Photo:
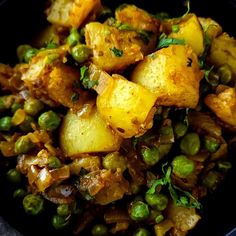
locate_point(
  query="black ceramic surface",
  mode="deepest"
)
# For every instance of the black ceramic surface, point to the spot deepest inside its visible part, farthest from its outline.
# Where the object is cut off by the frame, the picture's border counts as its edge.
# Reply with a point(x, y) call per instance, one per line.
point(20, 20)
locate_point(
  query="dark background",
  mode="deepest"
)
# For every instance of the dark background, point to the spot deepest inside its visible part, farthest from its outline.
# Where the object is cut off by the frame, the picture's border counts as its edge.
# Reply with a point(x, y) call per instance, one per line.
point(21, 19)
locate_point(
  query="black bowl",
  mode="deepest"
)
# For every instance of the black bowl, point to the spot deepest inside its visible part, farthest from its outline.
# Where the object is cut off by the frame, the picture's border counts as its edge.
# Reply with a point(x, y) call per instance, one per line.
point(21, 20)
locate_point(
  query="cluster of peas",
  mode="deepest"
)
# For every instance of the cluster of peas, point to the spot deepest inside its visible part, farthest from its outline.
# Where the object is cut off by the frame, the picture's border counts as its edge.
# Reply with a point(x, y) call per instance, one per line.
point(46, 120)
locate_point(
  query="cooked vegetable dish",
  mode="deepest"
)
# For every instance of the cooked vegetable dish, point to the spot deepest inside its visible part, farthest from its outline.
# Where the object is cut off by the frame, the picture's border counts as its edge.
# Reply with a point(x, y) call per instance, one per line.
point(119, 121)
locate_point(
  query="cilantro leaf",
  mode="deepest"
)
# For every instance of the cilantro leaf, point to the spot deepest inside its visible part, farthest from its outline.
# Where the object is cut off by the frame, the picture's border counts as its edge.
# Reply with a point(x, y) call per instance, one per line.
point(117, 52)
point(84, 78)
point(179, 196)
point(164, 41)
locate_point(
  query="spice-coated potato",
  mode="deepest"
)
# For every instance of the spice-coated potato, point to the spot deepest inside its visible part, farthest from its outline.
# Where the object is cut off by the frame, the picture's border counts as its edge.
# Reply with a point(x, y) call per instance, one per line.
point(113, 49)
point(126, 106)
point(71, 13)
point(87, 134)
point(223, 104)
point(189, 30)
point(171, 73)
point(223, 51)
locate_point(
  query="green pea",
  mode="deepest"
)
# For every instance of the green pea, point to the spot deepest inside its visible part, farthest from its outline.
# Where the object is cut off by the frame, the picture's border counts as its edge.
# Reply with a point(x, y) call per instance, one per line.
point(33, 106)
point(21, 50)
point(5, 123)
point(135, 188)
point(159, 218)
point(14, 176)
point(225, 74)
point(150, 155)
point(211, 180)
point(157, 200)
point(49, 120)
point(19, 193)
point(139, 211)
point(54, 162)
point(23, 145)
point(141, 232)
point(33, 204)
point(73, 38)
point(6, 102)
point(59, 222)
point(182, 166)
point(63, 210)
point(29, 54)
point(180, 129)
point(15, 107)
point(190, 144)
point(81, 53)
point(26, 125)
point(210, 144)
point(114, 161)
point(213, 78)
point(99, 230)
point(224, 166)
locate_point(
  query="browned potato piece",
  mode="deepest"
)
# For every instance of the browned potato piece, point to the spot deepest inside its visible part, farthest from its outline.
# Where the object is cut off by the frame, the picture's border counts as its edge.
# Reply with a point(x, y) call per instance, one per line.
point(88, 134)
point(223, 51)
point(145, 25)
point(127, 107)
point(211, 27)
point(190, 31)
point(171, 73)
point(137, 18)
point(71, 13)
point(52, 81)
point(184, 218)
point(113, 49)
point(223, 104)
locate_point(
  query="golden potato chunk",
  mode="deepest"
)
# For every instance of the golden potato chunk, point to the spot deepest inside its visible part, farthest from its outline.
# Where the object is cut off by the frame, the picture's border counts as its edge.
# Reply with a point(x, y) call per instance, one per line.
point(88, 134)
point(146, 26)
point(113, 49)
point(184, 218)
point(189, 29)
point(50, 80)
point(137, 18)
point(171, 73)
point(223, 51)
point(71, 13)
point(223, 104)
point(211, 27)
point(127, 107)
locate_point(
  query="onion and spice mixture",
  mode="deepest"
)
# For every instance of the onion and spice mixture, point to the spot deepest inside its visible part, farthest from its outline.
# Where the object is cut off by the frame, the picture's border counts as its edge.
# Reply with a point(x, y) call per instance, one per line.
point(121, 120)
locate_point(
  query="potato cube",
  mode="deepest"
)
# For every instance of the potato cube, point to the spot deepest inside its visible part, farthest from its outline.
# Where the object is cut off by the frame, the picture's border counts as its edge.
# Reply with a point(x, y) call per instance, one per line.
point(113, 49)
point(88, 134)
point(127, 107)
point(171, 73)
point(190, 31)
point(223, 51)
point(71, 13)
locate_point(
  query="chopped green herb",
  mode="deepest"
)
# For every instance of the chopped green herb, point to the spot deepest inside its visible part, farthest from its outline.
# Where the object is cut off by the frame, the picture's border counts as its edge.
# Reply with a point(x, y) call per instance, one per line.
point(207, 43)
point(180, 197)
point(164, 41)
point(84, 78)
point(122, 26)
point(51, 45)
point(74, 97)
point(207, 72)
point(117, 52)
